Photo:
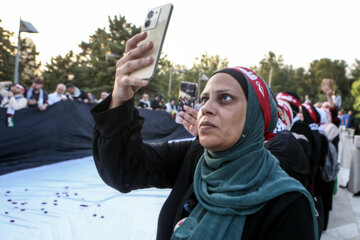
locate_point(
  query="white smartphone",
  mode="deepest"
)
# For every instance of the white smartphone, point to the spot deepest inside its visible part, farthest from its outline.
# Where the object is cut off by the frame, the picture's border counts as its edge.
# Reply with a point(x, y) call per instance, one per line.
point(155, 24)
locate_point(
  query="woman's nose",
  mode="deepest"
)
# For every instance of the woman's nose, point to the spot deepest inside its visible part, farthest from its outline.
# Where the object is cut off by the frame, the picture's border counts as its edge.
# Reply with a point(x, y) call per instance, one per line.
point(208, 108)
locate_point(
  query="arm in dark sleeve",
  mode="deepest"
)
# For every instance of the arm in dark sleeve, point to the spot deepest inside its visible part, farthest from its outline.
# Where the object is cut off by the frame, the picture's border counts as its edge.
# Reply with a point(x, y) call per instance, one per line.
point(83, 95)
point(295, 222)
point(46, 97)
point(122, 159)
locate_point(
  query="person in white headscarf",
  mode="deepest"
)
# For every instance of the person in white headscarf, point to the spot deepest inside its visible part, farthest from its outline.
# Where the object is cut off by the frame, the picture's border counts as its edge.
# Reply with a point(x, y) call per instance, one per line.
point(58, 95)
point(13, 100)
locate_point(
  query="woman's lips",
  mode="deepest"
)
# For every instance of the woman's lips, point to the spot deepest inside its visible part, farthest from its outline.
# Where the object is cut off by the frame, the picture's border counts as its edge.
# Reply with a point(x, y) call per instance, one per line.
point(207, 125)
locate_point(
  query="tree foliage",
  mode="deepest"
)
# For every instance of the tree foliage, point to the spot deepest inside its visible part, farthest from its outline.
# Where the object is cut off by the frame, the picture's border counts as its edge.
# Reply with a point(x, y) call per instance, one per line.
point(355, 71)
point(7, 55)
point(29, 68)
point(93, 68)
point(355, 92)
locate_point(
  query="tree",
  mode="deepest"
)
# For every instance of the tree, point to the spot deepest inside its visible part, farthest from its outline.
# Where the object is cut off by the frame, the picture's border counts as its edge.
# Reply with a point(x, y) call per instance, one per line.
point(355, 92)
point(97, 70)
point(208, 65)
point(160, 83)
point(59, 70)
point(283, 77)
point(7, 55)
point(29, 68)
point(336, 70)
point(93, 69)
point(355, 71)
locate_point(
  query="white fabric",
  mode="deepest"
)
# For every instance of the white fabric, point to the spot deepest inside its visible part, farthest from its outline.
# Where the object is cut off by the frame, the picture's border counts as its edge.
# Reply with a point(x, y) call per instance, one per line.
point(280, 126)
point(288, 118)
point(354, 176)
point(322, 114)
point(76, 93)
point(337, 100)
point(169, 109)
point(147, 102)
point(345, 148)
point(55, 97)
point(126, 216)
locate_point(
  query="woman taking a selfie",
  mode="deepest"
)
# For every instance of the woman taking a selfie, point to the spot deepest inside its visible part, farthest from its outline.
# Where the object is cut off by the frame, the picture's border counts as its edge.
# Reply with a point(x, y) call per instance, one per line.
point(225, 185)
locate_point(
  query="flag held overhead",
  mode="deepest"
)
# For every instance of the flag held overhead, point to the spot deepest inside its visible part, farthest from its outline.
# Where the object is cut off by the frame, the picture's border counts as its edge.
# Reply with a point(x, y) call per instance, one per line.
point(27, 27)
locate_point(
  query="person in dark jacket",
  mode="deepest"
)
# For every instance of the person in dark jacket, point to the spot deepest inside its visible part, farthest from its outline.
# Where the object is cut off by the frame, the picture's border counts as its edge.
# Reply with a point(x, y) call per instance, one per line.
point(36, 96)
point(74, 93)
point(224, 185)
point(320, 189)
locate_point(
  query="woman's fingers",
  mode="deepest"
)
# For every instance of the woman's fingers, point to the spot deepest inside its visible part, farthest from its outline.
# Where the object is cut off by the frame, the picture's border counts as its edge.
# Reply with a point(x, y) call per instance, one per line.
point(133, 65)
point(133, 42)
point(189, 121)
point(125, 86)
point(136, 53)
point(191, 111)
point(134, 82)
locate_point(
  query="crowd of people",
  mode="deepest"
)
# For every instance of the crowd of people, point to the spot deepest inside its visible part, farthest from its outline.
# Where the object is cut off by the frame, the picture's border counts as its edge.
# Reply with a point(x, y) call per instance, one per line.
point(305, 141)
point(157, 104)
point(309, 131)
point(258, 159)
point(262, 166)
point(15, 97)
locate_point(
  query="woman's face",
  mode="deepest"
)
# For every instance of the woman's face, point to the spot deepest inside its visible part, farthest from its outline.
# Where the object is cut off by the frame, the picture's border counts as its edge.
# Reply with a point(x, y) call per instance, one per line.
point(221, 118)
point(300, 114)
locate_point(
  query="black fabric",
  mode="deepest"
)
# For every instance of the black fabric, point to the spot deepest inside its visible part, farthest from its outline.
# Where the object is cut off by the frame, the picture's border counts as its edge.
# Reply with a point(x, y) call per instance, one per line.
point(301, 128)
point(325, 189)
point(314, 143)
point(307, 118)
point(155, 104)
point(143, 104)
point(125, 163)
point(294, 108)
point(158, 127)
point(285, 147)
point(63, 132)
point(81, 96)
point(335, 141)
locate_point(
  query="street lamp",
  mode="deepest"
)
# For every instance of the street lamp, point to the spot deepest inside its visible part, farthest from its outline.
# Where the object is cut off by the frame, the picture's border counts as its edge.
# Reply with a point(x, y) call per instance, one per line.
point(270, 75)
point(202, 77)
point(109, 54)
point(24, 27)
point(176, 68)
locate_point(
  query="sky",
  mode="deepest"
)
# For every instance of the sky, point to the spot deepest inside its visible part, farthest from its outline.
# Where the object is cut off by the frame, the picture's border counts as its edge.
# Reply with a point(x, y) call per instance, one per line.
point(241, 31)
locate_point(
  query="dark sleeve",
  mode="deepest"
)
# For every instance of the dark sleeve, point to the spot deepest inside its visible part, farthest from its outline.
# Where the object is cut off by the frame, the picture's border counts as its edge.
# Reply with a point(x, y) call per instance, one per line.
point(295, 222)
point(46, 97)
point(83, 95)
point(285, 217)
point(122, 159)
point(141, 104)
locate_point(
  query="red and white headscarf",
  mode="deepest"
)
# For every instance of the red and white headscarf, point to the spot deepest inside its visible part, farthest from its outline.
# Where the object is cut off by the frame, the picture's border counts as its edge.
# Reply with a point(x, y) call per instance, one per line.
point(287, 112)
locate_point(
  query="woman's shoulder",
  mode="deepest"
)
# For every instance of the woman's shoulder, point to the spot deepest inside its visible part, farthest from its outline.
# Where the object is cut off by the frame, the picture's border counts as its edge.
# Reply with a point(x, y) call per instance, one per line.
point(287, 216)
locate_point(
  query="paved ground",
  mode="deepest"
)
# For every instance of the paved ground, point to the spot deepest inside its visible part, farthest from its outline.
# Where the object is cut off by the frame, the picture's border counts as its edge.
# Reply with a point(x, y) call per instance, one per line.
point(344, 220)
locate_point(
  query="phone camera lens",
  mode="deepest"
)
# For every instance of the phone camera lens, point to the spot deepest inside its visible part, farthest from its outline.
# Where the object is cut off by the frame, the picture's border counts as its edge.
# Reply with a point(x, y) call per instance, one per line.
point(150, 14)
point(147, 23)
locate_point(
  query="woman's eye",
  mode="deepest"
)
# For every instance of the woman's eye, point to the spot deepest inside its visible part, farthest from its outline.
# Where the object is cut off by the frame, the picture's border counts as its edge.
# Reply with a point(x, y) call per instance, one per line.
point(226, 98)
point(203, 100)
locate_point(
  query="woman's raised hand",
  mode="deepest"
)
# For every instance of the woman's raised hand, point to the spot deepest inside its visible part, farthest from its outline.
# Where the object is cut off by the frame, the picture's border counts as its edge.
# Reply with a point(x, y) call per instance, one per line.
point(125, 86)
point(189, 120)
